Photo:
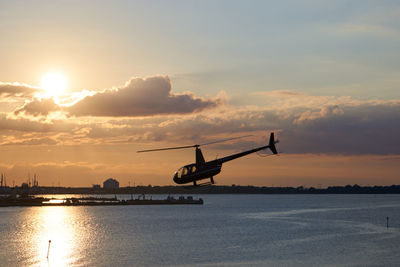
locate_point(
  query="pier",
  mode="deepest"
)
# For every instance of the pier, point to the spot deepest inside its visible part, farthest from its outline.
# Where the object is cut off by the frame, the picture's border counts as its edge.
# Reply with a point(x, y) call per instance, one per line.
point(30, 201)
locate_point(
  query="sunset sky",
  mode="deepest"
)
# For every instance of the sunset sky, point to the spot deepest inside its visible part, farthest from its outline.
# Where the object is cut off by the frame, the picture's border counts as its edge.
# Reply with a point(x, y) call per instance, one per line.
point(85, 84)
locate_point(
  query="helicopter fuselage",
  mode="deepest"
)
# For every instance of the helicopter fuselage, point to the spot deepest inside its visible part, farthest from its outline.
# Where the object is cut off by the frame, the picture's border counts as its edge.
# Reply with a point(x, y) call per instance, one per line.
point(192, 173)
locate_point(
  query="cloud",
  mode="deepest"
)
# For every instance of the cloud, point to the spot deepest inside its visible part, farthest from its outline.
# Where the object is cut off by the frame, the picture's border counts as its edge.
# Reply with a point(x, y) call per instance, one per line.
point(369, 128)
point(17, 90)
point(38, 107)
point(367, 29)
point(338, 126)
point(304, 123)
point(15, 129)
point(350, 128)
point(323, 112)
point(141, 97)
point(34, 141)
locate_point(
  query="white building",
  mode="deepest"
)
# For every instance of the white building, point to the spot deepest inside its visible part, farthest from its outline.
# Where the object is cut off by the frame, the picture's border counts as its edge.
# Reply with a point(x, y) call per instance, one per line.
point(111, 183)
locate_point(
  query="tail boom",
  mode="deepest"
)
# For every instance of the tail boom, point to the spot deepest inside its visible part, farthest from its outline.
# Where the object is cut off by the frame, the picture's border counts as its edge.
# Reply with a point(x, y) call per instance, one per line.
point(271, 146)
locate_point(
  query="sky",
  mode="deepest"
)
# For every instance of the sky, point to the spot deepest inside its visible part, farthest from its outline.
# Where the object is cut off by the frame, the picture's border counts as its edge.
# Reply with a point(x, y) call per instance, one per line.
point(85, 84)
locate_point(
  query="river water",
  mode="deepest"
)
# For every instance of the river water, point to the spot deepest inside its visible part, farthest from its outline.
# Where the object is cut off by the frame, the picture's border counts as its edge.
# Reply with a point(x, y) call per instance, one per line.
point(228, 230)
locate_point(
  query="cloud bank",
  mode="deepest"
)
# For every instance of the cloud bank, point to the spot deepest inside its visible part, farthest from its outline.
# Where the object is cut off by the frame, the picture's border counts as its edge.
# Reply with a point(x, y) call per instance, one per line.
point(147, 111)
point(17, 90)
point(331, 128)
point(141, 97)
point(38, 107)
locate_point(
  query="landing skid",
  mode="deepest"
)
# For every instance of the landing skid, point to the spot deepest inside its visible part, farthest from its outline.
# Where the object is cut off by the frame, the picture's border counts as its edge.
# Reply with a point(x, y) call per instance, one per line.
point(198, 185)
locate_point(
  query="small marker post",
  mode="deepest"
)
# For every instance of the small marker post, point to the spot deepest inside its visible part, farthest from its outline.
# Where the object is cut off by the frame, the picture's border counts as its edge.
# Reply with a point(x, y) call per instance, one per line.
point(387, 222)
point(48, 249)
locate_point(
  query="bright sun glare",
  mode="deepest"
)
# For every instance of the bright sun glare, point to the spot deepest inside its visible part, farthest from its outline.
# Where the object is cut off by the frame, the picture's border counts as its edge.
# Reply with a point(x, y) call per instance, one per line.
point(54, 84)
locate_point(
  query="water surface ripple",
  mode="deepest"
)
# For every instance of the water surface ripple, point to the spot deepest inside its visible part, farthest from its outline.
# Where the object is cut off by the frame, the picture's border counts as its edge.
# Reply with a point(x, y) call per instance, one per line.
point(228, 230)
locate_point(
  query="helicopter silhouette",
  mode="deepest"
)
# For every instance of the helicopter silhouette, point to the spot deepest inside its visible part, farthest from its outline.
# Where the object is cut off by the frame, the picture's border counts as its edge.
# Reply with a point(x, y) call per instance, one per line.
point(202, 169)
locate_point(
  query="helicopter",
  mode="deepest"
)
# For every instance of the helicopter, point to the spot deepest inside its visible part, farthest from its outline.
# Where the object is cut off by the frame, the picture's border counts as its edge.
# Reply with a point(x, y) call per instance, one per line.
point(202, 169)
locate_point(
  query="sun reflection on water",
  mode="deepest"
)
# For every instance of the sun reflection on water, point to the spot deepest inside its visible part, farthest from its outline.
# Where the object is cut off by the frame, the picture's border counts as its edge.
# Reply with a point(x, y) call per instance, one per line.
point(55, 225)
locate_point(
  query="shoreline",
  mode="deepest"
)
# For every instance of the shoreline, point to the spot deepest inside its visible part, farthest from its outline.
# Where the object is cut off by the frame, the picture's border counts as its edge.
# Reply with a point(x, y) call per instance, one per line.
point(215, 189)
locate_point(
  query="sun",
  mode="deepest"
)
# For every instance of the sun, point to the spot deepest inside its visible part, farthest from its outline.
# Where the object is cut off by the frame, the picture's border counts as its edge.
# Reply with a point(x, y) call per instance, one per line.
point(54, 84)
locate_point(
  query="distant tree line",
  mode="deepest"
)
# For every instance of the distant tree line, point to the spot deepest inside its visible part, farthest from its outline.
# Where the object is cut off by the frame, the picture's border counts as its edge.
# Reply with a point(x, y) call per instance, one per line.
point(234, 189)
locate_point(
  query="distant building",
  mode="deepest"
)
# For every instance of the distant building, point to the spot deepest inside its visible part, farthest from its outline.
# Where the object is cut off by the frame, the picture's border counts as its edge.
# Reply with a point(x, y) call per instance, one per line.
point(97, 186)
point(111, 183)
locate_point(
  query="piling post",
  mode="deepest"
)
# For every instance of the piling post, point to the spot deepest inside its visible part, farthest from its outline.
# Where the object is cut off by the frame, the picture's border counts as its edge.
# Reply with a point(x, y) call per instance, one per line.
point(387, 222)
point(48, 249)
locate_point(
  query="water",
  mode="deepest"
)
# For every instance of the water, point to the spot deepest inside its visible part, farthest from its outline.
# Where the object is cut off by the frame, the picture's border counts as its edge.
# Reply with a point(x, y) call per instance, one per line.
point(228, 230)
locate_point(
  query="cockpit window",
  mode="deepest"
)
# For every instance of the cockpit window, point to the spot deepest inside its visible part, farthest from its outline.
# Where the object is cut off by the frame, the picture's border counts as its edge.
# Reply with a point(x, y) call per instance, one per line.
point(185, 171)
point(180, 173)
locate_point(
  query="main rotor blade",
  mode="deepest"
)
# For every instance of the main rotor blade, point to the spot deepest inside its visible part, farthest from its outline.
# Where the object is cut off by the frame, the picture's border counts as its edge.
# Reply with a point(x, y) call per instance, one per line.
point(225, 140)
point(183, 147)
point(168, 148)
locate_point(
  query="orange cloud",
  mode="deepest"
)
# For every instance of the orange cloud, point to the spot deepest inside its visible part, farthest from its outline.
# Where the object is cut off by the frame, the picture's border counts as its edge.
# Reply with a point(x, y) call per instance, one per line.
point(315, 124)
point(17, 90)
point(38, 107)
point(141, 97)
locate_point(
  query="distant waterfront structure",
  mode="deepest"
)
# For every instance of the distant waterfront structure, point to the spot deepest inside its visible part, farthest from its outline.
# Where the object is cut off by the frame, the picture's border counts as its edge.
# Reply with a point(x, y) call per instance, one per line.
point(97, 186)
point(35, 181)
point(111, 183)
